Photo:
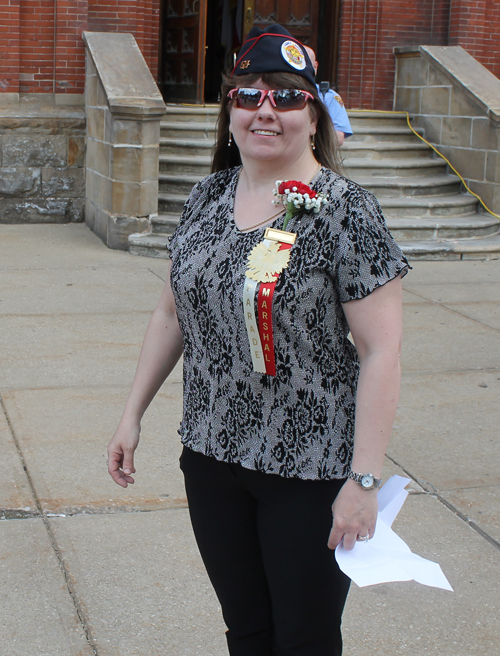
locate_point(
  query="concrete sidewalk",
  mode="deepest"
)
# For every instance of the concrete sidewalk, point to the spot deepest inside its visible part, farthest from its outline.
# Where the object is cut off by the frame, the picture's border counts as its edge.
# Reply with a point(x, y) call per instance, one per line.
point(89, 568)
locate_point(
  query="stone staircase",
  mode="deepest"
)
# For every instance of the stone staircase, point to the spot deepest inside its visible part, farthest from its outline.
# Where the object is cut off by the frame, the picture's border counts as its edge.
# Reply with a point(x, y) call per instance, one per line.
point(186, 140)
point(423, 205)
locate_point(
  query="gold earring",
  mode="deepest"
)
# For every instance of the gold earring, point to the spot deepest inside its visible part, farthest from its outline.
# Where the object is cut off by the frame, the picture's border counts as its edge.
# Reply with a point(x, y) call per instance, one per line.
point(313, 141)
point(230, 138)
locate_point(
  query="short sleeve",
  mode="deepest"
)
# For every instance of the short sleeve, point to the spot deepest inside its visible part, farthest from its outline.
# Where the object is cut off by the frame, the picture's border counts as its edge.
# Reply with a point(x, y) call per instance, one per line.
point(367, 255)
point(191, 201)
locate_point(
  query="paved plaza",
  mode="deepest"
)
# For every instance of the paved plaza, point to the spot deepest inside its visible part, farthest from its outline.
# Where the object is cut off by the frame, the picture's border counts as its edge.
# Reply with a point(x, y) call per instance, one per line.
point(89, 568)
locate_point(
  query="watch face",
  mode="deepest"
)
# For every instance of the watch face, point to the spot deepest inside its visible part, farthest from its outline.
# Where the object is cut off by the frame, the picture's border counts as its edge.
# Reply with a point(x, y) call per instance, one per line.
point(367, 481)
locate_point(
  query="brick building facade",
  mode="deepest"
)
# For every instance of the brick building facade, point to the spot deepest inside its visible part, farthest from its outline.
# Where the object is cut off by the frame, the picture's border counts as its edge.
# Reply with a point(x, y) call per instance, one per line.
point(41, 49)
point(370, 29)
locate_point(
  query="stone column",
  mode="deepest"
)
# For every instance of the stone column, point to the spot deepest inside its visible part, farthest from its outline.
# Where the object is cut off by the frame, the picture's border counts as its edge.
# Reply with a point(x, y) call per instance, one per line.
point(124, 108)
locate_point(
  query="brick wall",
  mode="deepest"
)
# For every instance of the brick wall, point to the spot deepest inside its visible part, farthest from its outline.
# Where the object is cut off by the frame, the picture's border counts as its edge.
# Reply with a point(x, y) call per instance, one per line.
point(9, 46)
point(36, 46)
point(475, 25)
point(140, 17)
point(41, 48)
point(71, 21)
point(369, 30)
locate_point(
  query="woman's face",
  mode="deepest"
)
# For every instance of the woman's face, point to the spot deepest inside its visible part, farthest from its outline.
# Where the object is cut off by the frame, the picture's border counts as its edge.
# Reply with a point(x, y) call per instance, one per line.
point(269, 134)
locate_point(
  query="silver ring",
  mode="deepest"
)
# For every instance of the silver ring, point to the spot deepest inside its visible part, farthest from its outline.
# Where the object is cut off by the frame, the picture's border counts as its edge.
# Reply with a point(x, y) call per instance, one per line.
point(364, 538)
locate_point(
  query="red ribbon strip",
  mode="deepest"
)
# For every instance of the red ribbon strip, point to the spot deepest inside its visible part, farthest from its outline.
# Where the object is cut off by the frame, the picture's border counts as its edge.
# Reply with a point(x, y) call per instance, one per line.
point(265, 314)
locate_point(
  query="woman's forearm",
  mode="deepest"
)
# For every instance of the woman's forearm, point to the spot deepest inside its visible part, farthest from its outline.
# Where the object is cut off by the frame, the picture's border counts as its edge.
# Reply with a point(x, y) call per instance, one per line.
point(160, 352)
point(376, 403)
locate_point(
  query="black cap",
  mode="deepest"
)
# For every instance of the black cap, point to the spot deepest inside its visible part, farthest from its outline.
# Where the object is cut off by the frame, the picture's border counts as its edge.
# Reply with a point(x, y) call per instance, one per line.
point(273, 50)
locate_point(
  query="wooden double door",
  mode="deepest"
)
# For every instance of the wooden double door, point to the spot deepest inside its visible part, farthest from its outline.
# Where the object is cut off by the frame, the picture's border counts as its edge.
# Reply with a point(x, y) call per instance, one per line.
point(200, 38)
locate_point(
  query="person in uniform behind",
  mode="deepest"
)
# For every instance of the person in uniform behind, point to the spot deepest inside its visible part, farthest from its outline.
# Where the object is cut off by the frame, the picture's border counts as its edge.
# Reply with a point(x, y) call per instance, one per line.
point(334, 104)
point(285, 421)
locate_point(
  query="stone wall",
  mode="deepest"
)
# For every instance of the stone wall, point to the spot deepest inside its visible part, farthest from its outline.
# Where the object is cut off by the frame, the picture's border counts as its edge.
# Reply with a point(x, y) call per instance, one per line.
point(457, 102)
point(123, 107)
point(42, 159)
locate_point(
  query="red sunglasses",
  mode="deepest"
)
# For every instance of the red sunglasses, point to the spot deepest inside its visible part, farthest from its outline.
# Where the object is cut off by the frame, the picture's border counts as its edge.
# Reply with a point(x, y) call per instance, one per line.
point(281, 99)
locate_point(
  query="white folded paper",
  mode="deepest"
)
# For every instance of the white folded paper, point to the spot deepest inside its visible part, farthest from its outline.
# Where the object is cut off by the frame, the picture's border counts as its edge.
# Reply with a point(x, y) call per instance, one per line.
point(386, 557)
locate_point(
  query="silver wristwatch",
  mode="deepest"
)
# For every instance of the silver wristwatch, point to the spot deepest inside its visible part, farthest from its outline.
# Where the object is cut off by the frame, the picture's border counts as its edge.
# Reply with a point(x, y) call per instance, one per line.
point(367, 481)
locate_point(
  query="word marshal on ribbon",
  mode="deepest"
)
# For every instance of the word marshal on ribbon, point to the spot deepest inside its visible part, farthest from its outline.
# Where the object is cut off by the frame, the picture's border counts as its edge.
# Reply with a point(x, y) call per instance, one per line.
point(265, 263)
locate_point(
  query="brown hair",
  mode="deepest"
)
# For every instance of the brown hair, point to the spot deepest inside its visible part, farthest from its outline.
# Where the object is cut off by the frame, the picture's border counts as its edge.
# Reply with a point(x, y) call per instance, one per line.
point(327, 146)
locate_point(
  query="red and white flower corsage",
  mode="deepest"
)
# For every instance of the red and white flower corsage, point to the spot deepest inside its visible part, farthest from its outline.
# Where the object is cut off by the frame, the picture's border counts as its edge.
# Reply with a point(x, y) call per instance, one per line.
point(297, 197)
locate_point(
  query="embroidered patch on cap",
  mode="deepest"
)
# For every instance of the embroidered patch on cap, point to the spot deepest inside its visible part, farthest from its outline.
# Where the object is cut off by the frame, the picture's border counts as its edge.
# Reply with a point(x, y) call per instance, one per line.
point(293, 55)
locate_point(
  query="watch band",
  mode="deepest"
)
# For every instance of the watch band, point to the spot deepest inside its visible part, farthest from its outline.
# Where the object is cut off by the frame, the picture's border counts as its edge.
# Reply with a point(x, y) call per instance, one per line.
point(367, 481)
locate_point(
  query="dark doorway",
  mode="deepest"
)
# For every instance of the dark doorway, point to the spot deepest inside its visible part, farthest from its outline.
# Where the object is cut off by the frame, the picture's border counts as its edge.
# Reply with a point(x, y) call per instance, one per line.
point(199, 38)
point(223, 41)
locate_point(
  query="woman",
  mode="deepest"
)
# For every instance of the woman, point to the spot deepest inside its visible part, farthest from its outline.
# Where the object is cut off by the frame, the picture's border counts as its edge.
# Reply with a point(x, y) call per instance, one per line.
point(284, 419)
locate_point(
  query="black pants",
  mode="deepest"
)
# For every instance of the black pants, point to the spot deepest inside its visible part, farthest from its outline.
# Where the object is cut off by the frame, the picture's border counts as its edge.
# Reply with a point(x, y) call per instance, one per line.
point(263, 539)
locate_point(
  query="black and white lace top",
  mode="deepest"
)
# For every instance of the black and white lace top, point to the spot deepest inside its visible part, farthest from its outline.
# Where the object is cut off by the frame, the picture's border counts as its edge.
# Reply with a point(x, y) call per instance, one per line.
point(299, 423)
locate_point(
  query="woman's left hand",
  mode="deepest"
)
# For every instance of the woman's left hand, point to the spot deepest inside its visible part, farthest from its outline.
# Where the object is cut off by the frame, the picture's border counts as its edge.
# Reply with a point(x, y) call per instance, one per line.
point(354, 514)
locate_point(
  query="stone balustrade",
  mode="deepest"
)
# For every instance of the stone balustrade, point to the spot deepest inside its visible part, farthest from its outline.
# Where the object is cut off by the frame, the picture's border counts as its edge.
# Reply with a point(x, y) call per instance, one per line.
point(457, 101)
point(123, 107)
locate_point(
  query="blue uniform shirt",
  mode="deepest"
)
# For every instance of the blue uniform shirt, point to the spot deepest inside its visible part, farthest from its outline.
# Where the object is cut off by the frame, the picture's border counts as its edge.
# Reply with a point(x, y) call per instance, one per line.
point(337, 111)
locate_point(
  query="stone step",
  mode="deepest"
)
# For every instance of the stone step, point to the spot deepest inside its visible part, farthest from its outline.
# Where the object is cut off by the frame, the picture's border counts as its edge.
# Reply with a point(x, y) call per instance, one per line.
point(452, 204)
point(422, 207)
point(170, 203)
point(192, 113)
point(481, 248)
point(187, 130)
point(197, 143)
point(180, 146)
point(384, 149)
point(165, 224)
point(432, 185)
point(178, 183)
point(407, 215)
point(358, 167)
point(390, 187)
point(359, 118)
point(453, 227)
point(456, 227)
point(148, 245)
point(385, 133)
point(418, 242)
point(197, 164)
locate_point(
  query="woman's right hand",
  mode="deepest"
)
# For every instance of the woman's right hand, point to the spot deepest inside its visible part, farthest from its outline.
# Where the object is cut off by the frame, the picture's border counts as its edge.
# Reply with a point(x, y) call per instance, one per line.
point(121, 453)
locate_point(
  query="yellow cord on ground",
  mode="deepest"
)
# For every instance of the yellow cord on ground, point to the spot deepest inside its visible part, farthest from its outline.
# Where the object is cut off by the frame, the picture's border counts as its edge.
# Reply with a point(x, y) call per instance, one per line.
point(380, 111)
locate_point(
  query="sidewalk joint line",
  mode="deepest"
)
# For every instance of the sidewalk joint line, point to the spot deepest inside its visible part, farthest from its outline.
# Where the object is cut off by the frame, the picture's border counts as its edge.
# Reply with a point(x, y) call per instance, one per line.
point(9, 514)
point(56, 315)
point(158, 276)
point(81, 386)
point(445, 284)
point(84, 621)
point(430, 489)
point(460, 314)
point(442, 372)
